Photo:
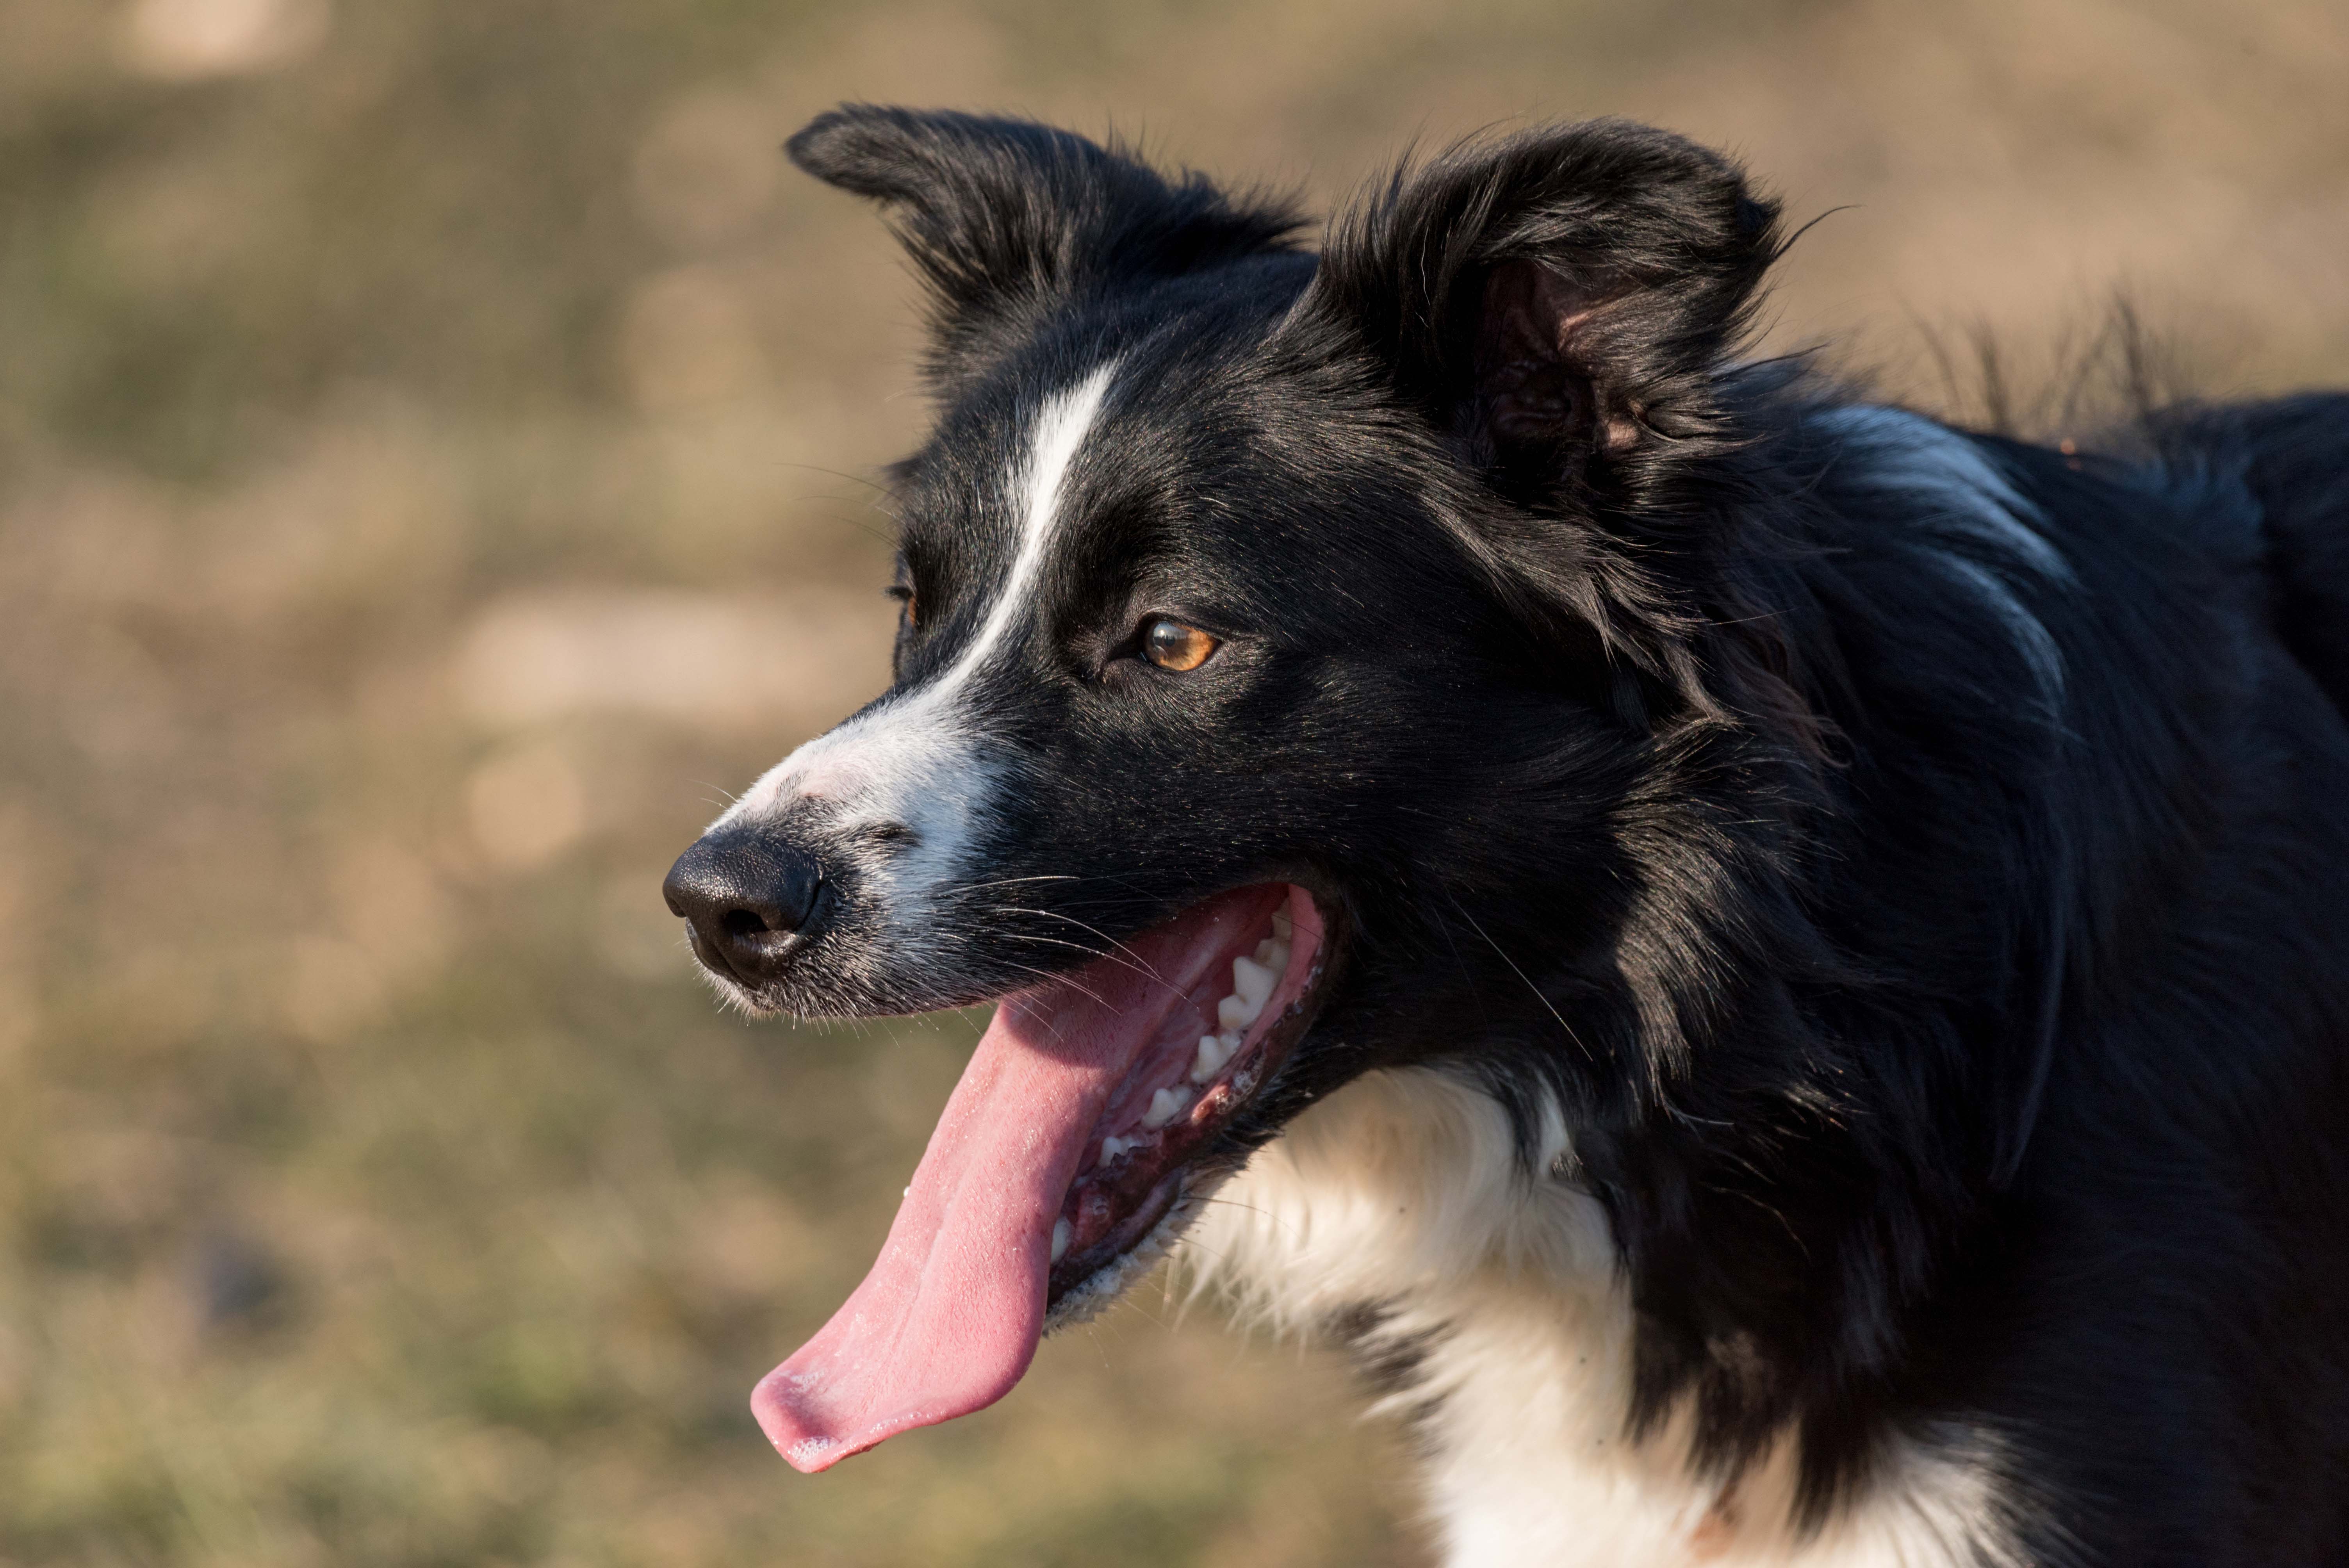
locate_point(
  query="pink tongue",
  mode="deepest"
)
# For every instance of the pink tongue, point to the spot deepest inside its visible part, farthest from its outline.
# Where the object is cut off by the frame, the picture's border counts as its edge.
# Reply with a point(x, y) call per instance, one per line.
point(948, 1319)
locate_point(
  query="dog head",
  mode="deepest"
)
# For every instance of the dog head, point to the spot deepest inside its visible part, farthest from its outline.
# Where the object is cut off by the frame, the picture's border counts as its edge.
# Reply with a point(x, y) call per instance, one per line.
point(1286, 643)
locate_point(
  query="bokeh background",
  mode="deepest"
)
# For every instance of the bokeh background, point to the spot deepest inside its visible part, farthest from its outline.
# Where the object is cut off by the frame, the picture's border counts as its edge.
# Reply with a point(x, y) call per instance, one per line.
point(434, 453)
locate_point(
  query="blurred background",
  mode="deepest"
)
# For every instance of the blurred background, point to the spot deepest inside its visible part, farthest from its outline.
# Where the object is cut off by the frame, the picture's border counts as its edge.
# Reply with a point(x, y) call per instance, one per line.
point(434, 445)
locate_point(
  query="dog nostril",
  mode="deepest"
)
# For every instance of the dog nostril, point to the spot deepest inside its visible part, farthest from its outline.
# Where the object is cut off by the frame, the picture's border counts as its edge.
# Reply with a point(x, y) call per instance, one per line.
point(740, 889)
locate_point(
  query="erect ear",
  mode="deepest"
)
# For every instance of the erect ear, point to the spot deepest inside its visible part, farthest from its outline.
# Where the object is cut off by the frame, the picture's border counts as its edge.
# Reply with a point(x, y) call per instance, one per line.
point(1560, 299)
point(1004, 218)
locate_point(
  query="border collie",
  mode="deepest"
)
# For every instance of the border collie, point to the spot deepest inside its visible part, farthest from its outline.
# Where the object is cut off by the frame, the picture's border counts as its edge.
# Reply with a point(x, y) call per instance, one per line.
point(1777, 970)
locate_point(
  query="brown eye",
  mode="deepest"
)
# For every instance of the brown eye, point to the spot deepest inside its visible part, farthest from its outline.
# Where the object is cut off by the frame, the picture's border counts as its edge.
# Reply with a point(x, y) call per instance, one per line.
point(908, 604)
point(1171, 645)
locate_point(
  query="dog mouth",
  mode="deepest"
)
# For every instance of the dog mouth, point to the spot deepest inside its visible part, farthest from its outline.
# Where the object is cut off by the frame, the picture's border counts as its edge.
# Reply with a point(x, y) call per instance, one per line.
point(1090, 1120)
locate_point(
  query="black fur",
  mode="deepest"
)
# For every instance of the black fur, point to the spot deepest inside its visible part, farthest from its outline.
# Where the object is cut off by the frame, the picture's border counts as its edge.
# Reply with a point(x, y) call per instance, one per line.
point(1007, 221)
point(1949, 1016)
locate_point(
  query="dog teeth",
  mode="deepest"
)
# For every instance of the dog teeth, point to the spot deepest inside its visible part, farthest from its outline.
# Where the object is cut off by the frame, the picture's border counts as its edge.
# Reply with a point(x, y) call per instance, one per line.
point(1165, 1105)
point(1253, 984)
point(1059, 1240)
point(1253, 981)
point(1113, 1147)
point(1210, 1059)
point(1215, 1051)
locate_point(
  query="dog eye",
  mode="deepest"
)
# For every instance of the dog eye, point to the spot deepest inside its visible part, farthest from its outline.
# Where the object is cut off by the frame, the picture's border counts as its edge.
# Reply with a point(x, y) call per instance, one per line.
point(907, 604)
point(1171, 645)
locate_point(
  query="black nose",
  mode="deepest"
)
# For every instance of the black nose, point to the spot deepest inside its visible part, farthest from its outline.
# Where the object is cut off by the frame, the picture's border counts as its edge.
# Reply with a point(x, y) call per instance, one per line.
point(748, 898)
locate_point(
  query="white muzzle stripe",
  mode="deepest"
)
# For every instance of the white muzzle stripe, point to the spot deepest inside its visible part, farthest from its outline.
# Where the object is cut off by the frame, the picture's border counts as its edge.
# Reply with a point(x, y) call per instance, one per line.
point(919, 761)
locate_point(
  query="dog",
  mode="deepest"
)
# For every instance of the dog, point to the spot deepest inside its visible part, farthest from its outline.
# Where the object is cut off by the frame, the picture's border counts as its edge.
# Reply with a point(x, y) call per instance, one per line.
point(1777, 970)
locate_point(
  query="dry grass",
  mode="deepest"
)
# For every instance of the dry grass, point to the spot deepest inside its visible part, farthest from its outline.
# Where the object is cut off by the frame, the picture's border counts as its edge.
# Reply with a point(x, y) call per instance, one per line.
point(429, 451)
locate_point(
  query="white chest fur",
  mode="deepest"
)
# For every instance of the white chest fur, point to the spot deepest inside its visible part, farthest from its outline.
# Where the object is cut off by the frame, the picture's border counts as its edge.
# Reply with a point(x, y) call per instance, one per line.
point(1502, 1300)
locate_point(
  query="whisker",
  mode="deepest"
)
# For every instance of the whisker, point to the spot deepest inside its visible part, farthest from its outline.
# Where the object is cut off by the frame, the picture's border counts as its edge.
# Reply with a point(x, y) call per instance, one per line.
point(1055, 941)
point(1105, 937)
point(838, 474)
point(1060, 980)
point(1265, 1215)
point(1130, 958)
point(1521, 974)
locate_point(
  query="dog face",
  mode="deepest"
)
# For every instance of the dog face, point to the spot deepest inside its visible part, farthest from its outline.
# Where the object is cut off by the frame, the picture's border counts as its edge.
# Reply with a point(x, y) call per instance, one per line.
point(1279, 634)
point(1154, 646)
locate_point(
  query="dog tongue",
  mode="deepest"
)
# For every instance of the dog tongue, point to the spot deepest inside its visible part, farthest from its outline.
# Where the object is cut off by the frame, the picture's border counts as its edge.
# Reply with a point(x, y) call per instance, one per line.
point(948, 1319)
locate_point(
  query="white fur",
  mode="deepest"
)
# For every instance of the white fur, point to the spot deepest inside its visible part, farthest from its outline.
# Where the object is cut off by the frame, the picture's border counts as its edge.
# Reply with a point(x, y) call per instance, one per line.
point(1406, 1189)
point(919, 758)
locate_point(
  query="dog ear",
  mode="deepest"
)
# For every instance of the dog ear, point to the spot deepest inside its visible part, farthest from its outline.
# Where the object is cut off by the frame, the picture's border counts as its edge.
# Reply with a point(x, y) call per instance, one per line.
point(1560, 300)
point(1005, 218)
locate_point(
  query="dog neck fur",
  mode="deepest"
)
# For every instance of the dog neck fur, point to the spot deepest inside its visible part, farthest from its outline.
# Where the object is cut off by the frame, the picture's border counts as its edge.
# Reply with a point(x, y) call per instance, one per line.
point(1484, 1296)
point(1989, 536)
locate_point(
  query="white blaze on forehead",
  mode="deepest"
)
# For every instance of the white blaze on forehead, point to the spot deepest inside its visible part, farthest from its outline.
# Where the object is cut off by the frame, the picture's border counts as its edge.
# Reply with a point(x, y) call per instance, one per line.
point(918, 758)
point(1059, 432)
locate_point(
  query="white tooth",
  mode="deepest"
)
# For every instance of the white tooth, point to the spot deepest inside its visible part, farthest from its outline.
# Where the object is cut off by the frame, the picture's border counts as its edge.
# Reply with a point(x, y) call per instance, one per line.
point(1165, 1105)
point(1059, 1240)
point(1233, 1013)
point(1281, 925)
point(908, 1193)
point(1112, 1147)
point(1231, 1039)
point(1264, 952)
point(1254, 983)
point(1276, 960)
point(1209, 1061)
